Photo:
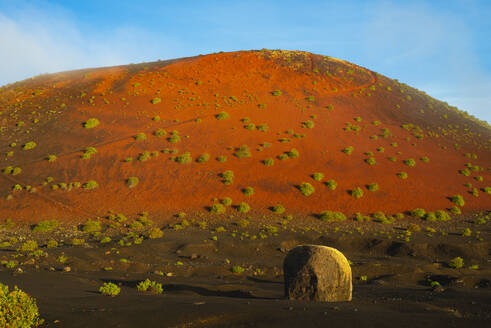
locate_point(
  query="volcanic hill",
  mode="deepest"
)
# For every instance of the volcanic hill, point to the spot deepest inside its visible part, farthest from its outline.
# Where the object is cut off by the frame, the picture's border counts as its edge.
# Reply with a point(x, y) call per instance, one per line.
point(231, 134)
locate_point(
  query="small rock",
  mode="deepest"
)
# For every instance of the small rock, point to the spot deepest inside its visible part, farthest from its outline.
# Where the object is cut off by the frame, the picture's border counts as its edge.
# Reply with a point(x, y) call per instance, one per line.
point(194, 256)
point(169, 274)
point(438, 289)
point(67, 269)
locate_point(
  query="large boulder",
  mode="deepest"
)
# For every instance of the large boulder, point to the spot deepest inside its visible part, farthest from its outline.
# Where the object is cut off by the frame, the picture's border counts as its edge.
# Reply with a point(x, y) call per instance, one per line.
point(317, 273)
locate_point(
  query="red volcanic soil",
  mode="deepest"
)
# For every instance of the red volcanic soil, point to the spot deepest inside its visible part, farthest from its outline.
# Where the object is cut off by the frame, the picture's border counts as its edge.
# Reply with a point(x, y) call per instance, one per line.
point(321, 106)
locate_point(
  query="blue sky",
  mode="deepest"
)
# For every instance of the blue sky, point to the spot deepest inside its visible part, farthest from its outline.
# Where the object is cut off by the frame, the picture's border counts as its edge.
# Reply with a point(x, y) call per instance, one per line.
point(441, 47)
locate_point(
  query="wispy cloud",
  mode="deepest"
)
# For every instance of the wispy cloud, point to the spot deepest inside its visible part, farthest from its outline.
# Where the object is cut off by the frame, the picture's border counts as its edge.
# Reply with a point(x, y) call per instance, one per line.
point(36, 40)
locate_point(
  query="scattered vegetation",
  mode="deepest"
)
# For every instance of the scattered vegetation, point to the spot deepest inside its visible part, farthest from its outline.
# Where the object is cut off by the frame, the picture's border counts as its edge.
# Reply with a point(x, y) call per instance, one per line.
point(17, 309)
point(150, 286)
point(109, 289)
point(132, 182)
point(357, 193)
point(91, 123)
point(306, 189)
point(331, 216)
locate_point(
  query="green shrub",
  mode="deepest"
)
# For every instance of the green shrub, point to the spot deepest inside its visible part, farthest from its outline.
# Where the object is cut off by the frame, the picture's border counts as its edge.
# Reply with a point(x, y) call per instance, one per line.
point(372, 187)
point(418, 212)
point(91, 226)
point(370, 161)
point(150, 286)
point(250, 126)
point(455, 210)
point(227, 176)
point(357, 193)
point(293, 153)
point(439, 215)
point(361, 218)
point(203, 158)
point(91, 123)
point(458, 200)
point(308, 124)
point(465, 172)
point(237, 269)
point(306, 189)
point(318, 176)
point(222, 116)
point(144, 156)
point(456, 262)
point(29, 246)
point(466, 232)
point(243, 207)
point(160, 133)
point(348, 150)
point(330, 216)
point(217, 208)
point(227, 201)
point(155, 233)
point(392, 159)
point(109, 289)
point(29, 145)
point(45, 226)
point(268, 162)
point(174, 138)
point(221, 158)
point(425, 159)
point(262, 127)
point(278, 209)
point(310, 98)
point(410, 162)
point(140, 136)
point(90, 185)
point(52, 244)
point(242, 152)
point(402, 175)
point(17, 309)
point(132, 182)
point(184, 158)
point(277, 93)
point(487, 190)
point(248, 191)
point(155, 100)
point(331, 184)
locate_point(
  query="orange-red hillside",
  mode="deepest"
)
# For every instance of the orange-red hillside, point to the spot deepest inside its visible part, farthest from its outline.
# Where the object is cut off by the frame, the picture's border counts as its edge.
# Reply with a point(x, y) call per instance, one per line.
point(168, 131)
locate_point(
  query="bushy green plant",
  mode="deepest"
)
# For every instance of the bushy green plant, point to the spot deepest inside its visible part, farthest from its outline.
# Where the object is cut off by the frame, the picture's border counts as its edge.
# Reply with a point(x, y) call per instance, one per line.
point(372, 187)
point(456, 262)
point(237, 269)
point(91, 123)
point(458, 200)
point(243, 207)
point(308, 124)
point(29, 145)
point(109, 289)
point(418, 212)
point(227, 201)
point(221, 158)
point(45, 226)
point(317, 176)
point(18, 309)
point(268, 162)
point(92, 184)
point(262, 127)
point(277, 93)
point(155, 233)
point(242, 152)
point(278, 209)
point(132, 182)
point(293, 153)
point(184, 158)
point(150, 286)
point(348, 150)
point(91, 226)
point(160, 133)
point(370, 161)
point(306, 189)
point(248, 191)
point(227, 176)
point(29, 246)
point(155, 100)
point(410, 162)
point(402, 175)
point(331, 184)
point(222, 116)
point(357, 193)
point(330, 216)
point(140, 136)
point(425, 159)
point(217, 208)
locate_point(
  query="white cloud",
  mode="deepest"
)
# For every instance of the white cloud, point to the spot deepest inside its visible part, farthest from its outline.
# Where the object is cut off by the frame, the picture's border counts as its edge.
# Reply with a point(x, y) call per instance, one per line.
point(36, 41)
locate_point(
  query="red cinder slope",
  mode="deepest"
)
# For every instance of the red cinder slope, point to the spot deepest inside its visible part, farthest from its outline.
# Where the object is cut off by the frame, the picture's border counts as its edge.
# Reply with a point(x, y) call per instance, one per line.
point(293, 114)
